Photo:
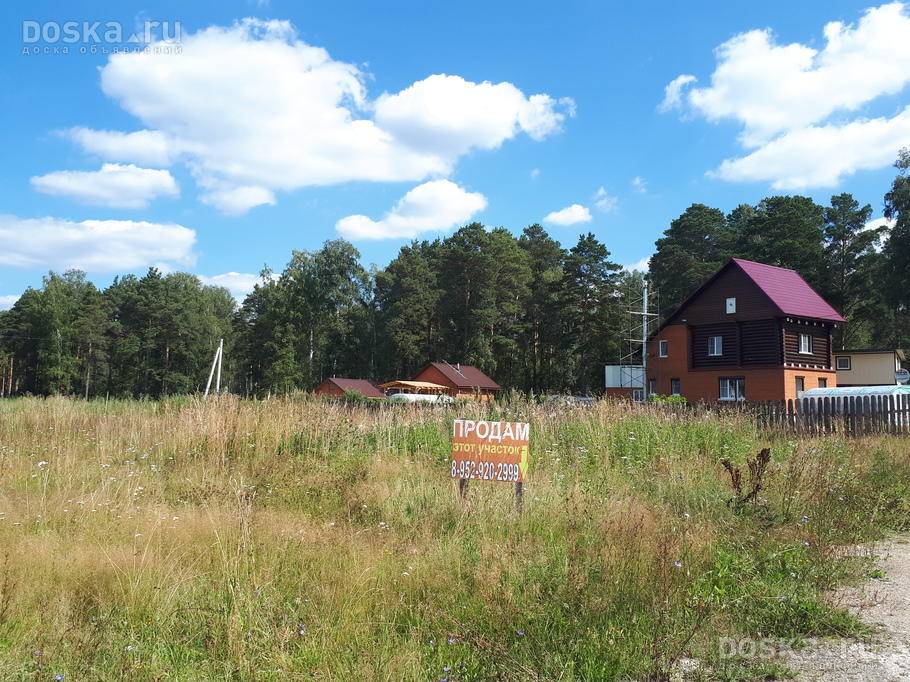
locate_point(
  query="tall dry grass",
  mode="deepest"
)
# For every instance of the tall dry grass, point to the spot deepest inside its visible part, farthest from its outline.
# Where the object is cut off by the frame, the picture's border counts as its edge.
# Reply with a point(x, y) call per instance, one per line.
point(298, 539)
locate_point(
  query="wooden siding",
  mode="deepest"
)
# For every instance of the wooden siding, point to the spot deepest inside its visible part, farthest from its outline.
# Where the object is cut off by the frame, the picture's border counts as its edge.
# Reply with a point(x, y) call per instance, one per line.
point(709, 307)
point(760, 341)
point(699, 345)
point(821, 345)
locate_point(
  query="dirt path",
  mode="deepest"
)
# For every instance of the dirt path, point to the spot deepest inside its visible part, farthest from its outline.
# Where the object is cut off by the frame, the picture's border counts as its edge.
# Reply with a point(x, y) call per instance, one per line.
point(883, 603)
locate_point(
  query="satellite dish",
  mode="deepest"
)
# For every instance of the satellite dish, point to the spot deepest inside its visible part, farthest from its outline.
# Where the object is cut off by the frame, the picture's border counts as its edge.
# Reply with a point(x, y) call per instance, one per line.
point(902, 376)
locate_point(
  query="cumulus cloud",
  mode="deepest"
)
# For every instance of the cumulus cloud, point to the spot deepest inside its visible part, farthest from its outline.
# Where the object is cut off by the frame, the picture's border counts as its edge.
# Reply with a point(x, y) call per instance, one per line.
point(786, 97)
point(433, 206)
point(640, 266)
point(449, 116)
point(92, 245)
point(570, 215)
point(240, 284)
point(821, 156)
point(115, 185)
point(877, 223)
point(253, 111)
point(7, 302)
point(674, 91)
point(604, 201)
point(147, 147)
point(640, 185)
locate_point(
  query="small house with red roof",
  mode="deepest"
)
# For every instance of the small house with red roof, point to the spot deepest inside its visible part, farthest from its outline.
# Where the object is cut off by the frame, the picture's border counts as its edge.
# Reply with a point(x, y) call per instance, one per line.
point(461, 381)
point(338, 387)
point(751, 332)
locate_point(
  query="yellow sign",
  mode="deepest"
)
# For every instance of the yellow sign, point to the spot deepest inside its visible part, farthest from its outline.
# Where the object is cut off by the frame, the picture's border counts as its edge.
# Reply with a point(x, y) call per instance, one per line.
point(490, 451)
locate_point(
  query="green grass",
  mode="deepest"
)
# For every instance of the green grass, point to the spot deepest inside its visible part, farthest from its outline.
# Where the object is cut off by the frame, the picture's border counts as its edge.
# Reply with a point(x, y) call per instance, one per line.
point(297, 539)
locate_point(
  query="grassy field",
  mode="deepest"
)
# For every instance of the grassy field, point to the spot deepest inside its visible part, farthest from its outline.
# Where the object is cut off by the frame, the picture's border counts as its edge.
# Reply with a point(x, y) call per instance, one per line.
point(292, 539)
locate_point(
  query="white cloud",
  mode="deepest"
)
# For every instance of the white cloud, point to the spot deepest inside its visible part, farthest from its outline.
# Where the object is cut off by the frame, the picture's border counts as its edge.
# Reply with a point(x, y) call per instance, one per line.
point(235, 200)
point(254, 111)
point(92, 245)
point(7, 302)
point(639, 184)
point(673, 92)
point(448, 116)
point(821, 156)
point(605, 202)
point(880, 222)
point(147, 147)
point(570, 215)
point(640, 266)
point(115, 185)
point(785, 96)
point(772, 88)
point(433, 206)
point(240, 284)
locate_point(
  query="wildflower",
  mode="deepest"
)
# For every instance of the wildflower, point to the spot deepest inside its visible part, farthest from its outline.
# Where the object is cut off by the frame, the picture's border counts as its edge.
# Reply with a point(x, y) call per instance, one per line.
point(42, 463)
point(432, 642)
point(685, 515)
point(405, 574)
point(445, 668)
point(782, 597)
point(249, 634)
point(128, 647)
point(520, 633)
point(36, 652)
point(59, 677)
point(678, 564)
point(462, 665)
point(806, 544)
point(452, 640)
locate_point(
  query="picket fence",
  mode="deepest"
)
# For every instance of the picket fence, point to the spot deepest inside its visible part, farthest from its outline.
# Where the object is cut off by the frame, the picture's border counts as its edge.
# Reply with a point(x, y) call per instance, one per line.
point(855, 415)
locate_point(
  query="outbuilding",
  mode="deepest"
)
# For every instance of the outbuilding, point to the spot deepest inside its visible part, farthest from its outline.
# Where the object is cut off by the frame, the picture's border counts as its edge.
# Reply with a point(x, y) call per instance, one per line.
point(460, 381)
point(337, 386)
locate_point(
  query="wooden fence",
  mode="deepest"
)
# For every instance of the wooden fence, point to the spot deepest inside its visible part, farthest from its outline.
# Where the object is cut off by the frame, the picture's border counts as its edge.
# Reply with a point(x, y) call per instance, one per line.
point(855, 415)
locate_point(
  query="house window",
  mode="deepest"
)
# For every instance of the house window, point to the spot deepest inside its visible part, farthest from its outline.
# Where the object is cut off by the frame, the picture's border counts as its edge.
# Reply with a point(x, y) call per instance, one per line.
point(822, 383)
point(805, 344)
point(800, 385)
point(843, 362)
point(663, 348)
point(731, 305)
point(652, 386)
point(674, 386)
point(715, 345)
point(732, 388)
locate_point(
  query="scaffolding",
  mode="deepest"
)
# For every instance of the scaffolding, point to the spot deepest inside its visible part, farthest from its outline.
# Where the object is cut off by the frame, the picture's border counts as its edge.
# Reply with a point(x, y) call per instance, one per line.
point(640, 305)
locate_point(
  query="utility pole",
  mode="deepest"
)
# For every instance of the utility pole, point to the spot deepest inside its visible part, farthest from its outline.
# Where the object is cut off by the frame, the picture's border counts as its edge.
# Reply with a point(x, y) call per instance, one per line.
point(216, 362)
point(220, 360)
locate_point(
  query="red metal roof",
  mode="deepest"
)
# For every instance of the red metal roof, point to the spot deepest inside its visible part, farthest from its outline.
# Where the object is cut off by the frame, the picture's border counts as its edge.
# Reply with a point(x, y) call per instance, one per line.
point(463, 376)
point(362, 386)
point(788, 291)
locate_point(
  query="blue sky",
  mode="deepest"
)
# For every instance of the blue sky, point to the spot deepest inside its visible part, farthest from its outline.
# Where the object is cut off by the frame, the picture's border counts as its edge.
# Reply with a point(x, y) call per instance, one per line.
point(282, 124)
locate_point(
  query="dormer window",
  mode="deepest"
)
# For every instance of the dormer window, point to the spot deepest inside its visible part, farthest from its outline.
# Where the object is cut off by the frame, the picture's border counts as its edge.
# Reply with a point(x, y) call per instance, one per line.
point(731, 306)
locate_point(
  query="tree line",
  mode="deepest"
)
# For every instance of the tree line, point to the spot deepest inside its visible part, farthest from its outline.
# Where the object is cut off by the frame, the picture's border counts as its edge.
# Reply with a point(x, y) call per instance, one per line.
point(535, 315)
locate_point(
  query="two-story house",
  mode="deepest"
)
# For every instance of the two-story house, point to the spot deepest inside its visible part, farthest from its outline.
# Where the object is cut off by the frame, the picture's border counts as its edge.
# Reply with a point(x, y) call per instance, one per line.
point(751, 332)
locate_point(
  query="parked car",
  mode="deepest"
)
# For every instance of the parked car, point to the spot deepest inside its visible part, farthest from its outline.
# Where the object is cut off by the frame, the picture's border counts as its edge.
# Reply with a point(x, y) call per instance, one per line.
point(421, 398)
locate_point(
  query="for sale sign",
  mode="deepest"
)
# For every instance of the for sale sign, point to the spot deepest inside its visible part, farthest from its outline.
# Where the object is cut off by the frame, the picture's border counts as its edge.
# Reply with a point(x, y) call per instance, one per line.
point(489, 451)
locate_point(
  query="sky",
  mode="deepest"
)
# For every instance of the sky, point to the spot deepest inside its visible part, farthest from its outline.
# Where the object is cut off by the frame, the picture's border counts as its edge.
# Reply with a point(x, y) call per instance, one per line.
point(221, 136)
